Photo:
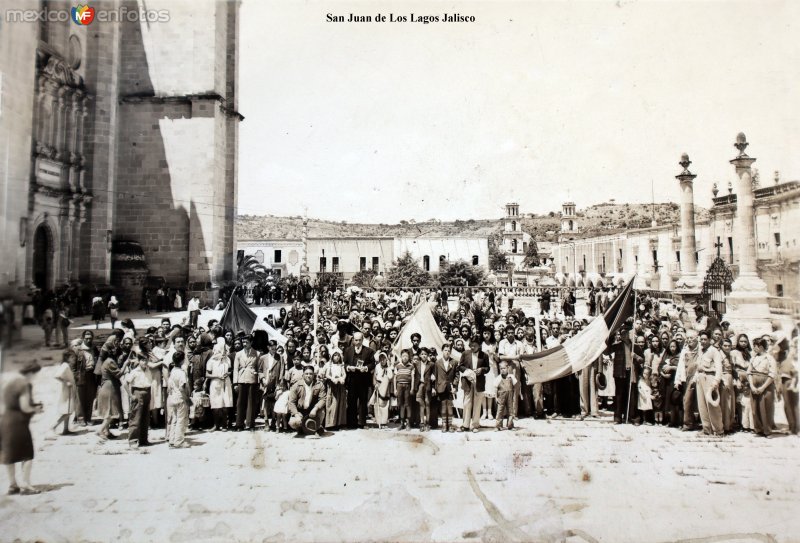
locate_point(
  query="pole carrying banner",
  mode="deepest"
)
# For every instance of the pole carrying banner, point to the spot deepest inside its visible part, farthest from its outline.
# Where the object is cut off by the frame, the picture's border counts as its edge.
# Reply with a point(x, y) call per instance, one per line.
point(580, 351)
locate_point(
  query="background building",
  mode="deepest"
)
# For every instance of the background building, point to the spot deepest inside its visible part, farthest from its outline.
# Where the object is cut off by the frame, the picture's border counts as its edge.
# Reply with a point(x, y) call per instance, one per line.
point(515, 241)
point(654, 254)
point(349, 255)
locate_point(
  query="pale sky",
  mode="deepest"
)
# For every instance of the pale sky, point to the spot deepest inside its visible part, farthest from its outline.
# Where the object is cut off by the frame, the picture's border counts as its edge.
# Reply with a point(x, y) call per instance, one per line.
point(535, 102)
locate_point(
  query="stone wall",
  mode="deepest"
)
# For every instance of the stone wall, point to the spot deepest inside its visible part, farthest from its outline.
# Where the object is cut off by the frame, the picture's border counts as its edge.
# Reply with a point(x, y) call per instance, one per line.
point(17, 65)
point(177, 144)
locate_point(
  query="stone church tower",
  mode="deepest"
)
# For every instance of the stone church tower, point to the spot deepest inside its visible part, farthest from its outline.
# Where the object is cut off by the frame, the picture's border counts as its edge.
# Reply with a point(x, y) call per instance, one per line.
point(116, 134)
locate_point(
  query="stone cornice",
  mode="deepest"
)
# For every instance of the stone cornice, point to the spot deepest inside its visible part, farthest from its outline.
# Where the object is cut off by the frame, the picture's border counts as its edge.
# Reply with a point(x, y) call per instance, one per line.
point(138, 98)
point(66, 193)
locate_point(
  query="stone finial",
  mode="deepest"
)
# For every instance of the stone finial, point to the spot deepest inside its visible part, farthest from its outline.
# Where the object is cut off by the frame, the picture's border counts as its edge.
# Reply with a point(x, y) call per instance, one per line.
point(730, 187)
point(756, 179)
point(741, 143)
point(777, 177)
point(685, 162)
point(714, 190)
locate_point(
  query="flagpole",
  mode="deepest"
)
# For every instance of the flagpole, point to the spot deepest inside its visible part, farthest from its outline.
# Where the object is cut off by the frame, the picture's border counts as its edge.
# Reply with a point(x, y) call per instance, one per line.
point(630, 376)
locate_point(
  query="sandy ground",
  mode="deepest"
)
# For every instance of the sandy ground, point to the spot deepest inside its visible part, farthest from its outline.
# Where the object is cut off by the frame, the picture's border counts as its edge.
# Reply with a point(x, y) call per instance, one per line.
point(556, 480)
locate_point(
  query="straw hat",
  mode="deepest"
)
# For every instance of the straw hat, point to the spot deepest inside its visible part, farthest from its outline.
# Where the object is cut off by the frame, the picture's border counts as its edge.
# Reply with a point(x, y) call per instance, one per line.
point(712, 396)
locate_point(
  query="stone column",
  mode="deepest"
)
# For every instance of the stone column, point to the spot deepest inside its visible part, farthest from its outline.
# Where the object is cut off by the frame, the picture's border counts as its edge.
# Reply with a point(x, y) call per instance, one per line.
point(690, 283)
point(746, 242)
point(747, 307)
point(304, 266)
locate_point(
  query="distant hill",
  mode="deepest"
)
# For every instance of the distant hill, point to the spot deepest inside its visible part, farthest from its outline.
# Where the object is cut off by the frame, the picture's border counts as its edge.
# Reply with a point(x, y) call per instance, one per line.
point(595, 220)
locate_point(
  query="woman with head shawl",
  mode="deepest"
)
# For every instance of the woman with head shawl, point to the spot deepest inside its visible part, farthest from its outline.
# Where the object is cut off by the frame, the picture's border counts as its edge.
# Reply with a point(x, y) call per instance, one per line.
point(109, 399)
point(220, 390)
point(333, 374)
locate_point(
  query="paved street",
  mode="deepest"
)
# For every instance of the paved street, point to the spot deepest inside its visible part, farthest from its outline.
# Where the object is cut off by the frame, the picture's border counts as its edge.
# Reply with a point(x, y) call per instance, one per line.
point(549, 481)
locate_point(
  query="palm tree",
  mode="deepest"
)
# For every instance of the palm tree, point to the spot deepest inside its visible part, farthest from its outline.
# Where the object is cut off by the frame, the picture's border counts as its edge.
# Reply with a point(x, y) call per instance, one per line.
point(250, 270)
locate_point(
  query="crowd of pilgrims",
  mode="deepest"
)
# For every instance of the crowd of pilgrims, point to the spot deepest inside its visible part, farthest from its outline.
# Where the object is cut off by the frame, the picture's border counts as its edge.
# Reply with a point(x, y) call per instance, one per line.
point(666, 368)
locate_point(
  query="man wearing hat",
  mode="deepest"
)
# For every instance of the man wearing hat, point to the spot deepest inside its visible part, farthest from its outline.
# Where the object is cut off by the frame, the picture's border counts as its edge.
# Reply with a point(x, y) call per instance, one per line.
point(708, 378)
point(245, 381)
point(306, 405)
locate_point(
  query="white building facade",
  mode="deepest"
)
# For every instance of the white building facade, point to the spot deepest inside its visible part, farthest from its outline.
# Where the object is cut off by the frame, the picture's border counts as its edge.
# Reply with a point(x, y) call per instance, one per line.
point(654, 254)
point(347, 256)
point(515, 241)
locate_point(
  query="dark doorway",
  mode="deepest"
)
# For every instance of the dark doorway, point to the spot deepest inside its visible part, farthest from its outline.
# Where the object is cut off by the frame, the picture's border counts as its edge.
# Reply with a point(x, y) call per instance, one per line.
point(42, 257)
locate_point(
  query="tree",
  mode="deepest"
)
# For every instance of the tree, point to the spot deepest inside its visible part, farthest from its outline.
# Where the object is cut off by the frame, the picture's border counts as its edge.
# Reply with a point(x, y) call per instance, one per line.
point(328, 282)
point(532, 256)
point(365, 278)
point(461, 273)
point(497, 258)
point(249, 269)
point(406, 272)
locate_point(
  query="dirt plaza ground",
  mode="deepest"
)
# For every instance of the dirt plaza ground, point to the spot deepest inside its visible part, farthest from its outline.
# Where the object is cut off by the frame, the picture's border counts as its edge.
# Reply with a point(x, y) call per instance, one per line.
point(553, 480)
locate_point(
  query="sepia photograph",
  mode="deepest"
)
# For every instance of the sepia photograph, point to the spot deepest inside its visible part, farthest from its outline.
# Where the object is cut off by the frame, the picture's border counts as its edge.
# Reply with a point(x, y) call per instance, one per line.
point(400, 271)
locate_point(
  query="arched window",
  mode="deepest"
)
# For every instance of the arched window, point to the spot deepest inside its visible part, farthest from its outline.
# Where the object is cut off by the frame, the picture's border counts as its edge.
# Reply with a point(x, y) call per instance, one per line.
point(426, 263)
point(259, 256)
point(513, 226)
point(513, 246)
point(474, 260)
point(571, 225)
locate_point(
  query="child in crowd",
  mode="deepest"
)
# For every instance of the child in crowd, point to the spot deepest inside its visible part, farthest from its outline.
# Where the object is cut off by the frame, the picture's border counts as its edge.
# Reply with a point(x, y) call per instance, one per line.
point(645, 396)
point(403, 384)
point(504, 384)
point(68, 397)
point(281, 409)
point(424, 367)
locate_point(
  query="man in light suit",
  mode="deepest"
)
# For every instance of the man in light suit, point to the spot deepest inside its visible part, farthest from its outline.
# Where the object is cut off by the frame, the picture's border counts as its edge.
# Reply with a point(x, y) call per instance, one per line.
point(270, 372)
point(473, 368)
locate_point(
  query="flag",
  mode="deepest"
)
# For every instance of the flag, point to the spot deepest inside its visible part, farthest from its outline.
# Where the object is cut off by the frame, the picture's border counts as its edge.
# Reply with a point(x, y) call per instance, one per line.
point(422, 322)
point(237, 316)
point(579, 351)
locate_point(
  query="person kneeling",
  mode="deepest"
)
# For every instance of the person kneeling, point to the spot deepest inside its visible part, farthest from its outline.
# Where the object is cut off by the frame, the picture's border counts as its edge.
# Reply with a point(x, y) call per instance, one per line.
point(306, 404)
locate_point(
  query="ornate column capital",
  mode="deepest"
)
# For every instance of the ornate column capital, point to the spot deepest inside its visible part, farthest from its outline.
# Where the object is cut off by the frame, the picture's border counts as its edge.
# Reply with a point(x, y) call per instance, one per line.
point(685, 176)
point(742, 162)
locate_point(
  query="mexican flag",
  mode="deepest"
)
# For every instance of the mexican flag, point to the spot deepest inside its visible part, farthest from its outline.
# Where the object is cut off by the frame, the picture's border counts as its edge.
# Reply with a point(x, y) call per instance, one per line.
point(581, 350)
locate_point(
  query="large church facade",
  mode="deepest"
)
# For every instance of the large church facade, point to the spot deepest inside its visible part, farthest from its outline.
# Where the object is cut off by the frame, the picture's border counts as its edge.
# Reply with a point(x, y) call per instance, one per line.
point(116, 134)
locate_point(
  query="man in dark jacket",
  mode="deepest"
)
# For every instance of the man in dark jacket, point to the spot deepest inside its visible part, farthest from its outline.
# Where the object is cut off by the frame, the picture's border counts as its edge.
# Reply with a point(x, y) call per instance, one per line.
point(620, 351)
point(198, 358)
point(359, 363)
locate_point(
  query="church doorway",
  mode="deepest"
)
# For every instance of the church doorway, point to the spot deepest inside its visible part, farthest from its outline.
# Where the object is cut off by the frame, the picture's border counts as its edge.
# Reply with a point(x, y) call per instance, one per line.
point(43, 257)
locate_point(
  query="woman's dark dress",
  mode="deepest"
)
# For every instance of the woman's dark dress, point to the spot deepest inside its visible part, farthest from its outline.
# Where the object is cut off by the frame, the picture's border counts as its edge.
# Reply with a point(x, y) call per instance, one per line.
point(15, 433)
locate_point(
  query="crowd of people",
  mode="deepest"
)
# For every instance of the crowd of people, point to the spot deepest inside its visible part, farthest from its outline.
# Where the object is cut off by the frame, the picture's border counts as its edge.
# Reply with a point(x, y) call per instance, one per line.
point(334, 364)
